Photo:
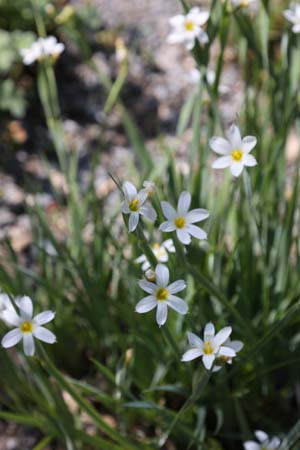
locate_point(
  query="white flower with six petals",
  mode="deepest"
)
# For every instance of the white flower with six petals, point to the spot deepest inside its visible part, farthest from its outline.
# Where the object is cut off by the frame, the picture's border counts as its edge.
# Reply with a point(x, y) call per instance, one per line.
point(182, 220)
point(293, 15)
point(234, 150)
point(210, 348)
point(160, 251)
point(135, 203)
point(265, 443)
point(162, 295)
point(187, 28)
point(27, 327)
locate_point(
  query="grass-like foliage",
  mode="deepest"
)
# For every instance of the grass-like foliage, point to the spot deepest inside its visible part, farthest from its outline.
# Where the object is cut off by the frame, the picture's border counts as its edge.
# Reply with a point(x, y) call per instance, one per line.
point(115, 380)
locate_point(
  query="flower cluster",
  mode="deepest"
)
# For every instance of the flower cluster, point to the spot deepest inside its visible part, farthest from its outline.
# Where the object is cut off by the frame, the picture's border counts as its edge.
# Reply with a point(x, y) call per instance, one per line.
point(26, 327)
point(41, 49)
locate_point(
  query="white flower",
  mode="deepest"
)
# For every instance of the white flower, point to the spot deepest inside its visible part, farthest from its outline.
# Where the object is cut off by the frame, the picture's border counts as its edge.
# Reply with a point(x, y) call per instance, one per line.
point(162, 295)
point(236, 346)
point(149, 188)
point(187, 28)
point(265, 443)
point(194, 77)
point(42, 48)
point(235, 151)
point(27, 327)
point(182, 220)
point(135, 204)
point(293, 15)
point(160, 251)
point(211, 347)
point(244, 3)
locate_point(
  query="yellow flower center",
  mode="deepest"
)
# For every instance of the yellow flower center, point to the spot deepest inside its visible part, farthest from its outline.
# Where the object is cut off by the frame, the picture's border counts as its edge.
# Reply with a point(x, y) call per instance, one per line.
point(237, 155)
point(156, 246)
point(208, 350)
point(189, 26)
point(134, 205)
point(26, 327)
point(180, 222)
point(244, 4)
point(162, 294)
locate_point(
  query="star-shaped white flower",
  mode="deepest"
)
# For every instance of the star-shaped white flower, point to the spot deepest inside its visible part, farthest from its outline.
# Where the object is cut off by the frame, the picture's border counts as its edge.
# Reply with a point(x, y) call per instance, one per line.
point(182, 220)
point(187, 28)
point(149, 187)
point(160, 251)
point(42, 48)
point(210, 348)
point(235, 151)
point(162, 295)
point(293, 15)
point(135, 203)
point(27, 327)
point(237, 346)
point(265, 442)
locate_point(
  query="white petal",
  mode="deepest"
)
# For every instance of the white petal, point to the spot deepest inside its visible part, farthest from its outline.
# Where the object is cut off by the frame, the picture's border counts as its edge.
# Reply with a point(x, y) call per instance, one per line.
point(220, 145)
point(149, 212)
point(184, 203)
point(124, 208)
point(44, 317)
point(183, 236)
point(251, 445)
point(177, 20)
point(274, 443)
point(289, 15)
point(162, 275)
point(26, 307)
point(248, 143)
point(222, 163)
point(250, 161)
point(221, 336)
point(28, 344)
point(140, 259)
point(177, 286)
point(133, 221)
point(44, 335)
point(11, 338)
point(189, 44)
point(296, 28)
point(196, 232)
point(130, 191)
point(147, 286)
point(208, 361)
point(261, 436)
point(226, 351)
point(194, 340)
point(234, 136)
point(235, 345)
point(169, 245)
point(142, 197)
point(168, 210)
point(191, 354)
point(203, 37)
point(161, 313)
point(200, 18)
point(10, 317)
point(146, 304)
point(236, 169)
point(177, 304)
point(175, 38)
point(146, 265)
point(197, 215)
point(209, 331)
point(167, 226)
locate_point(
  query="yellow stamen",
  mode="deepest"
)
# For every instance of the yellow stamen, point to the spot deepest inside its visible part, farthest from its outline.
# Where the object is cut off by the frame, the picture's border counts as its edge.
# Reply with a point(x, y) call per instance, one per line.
point(180, 222)
point(208, 350)
point(26, 327)
point(156, 246)
point(244, 3)
point(162, 294)
point(134, 205)
point(189, 25)
point(237, 155)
